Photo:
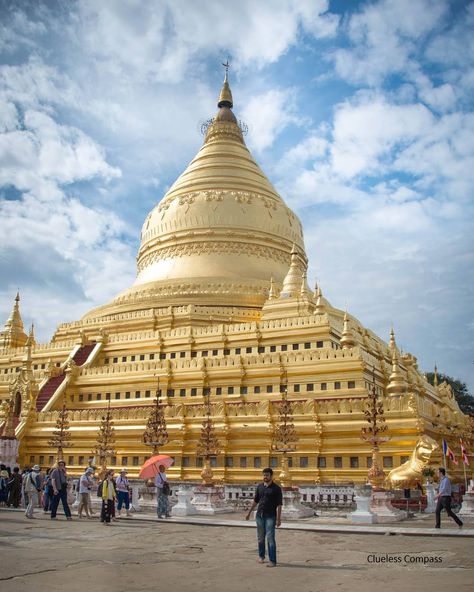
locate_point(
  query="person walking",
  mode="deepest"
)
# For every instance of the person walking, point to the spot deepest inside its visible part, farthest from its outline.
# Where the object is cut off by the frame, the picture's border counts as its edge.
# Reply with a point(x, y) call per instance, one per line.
point(444, 499)
point(24, 493)
point(109, 494)
point(162, 492)
point(47, 492)
point(85, 486)
point(14, 488)
point(32, 486)
point(59, 484)
point(269, 500)
point(123, 494)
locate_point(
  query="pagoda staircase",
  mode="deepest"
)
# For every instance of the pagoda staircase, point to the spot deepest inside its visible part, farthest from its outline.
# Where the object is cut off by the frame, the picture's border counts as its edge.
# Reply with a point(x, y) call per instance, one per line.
point(54, 386)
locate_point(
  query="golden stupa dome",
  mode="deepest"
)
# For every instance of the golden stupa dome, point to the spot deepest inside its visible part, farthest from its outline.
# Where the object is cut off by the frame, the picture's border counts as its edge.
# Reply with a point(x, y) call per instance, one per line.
point(220, 232)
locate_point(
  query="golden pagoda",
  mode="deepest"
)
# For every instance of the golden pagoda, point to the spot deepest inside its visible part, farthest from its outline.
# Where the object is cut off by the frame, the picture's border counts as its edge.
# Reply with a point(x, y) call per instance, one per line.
point(220, 308)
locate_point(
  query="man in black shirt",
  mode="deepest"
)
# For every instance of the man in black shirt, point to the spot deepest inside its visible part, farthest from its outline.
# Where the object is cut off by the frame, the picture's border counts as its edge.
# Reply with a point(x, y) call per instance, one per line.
point(269, 500)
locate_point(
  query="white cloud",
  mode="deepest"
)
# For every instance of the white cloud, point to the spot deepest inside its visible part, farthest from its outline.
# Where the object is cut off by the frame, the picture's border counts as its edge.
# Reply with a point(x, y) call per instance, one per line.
point(384, 37)
point(161, 38)
point(268, 114)
point(46, 152)
point(366, 131)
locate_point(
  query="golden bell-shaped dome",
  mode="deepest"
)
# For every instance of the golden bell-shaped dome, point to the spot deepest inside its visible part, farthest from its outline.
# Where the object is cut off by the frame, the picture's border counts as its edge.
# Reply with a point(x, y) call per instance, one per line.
point(221, 231)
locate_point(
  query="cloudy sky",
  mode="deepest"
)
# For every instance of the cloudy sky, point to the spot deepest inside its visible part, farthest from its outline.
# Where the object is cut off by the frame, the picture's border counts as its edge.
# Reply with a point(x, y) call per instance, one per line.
point(361, 114)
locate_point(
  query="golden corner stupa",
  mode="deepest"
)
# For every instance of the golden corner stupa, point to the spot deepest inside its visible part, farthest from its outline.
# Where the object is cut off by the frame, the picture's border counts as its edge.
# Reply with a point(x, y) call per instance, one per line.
point(221, 307)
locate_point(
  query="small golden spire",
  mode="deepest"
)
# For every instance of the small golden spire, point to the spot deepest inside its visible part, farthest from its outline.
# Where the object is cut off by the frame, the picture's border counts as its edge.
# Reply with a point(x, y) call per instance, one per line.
point(14, 333)
point(31, 336)
point(392, 344)
point(320, 306)
point(271, 293)
point(225, 98)
point(292, 281)
point(304, 288)
point(347, 337)
point(397, 383)
point(435, 377)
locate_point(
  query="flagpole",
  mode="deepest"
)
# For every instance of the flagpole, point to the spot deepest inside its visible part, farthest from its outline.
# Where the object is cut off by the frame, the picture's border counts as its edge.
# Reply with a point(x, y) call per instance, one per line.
point(444, 454)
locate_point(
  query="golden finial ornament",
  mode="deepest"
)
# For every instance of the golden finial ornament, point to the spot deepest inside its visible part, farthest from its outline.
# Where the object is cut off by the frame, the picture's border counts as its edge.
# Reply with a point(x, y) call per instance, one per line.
point(374, 414)
point(156, 433)
point(397, 384)
point(225, 97)
point(284, 434)
point(347, 337)
point(61, 437)
point(104, 447)
point(208, 445)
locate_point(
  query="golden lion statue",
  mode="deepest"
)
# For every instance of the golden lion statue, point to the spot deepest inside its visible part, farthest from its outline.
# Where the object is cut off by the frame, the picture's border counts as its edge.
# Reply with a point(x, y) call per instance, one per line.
point(412, 470)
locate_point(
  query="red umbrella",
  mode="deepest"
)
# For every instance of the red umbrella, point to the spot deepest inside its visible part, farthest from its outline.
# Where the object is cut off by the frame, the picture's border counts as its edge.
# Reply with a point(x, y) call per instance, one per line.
point(151, 467)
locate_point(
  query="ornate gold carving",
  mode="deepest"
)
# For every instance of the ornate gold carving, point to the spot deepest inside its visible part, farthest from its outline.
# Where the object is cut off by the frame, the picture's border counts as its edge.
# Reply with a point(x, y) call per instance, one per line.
point(218, 247)
point(244, 197)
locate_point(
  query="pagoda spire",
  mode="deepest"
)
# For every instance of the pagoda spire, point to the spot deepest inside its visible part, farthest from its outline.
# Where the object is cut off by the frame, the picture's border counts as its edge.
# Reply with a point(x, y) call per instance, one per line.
point(304, 292)
point(320, 306)
point(14, 333)
point(225, 97)
point(271, 293)
point(435, 376)
point(392, 344)
point(397, 384)
point(347, 337)
point(31, 336)
point(292, 282)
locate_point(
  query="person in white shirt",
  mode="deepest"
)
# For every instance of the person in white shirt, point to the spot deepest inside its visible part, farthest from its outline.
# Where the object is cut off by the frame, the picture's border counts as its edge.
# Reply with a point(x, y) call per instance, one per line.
point(444, 499)
point(32, 486)
point(123, 494)
point(85, 486)
point(162, 492)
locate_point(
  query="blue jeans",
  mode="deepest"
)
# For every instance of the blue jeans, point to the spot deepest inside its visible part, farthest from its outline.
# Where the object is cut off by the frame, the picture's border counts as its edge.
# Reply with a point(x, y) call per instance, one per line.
point(266, 529)
point(123, 497)
point(47, 498)
point(61, 496)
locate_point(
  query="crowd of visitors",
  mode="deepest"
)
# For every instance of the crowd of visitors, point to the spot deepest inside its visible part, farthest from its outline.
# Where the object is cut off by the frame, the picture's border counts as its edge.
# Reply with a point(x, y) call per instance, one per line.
point(34, 489)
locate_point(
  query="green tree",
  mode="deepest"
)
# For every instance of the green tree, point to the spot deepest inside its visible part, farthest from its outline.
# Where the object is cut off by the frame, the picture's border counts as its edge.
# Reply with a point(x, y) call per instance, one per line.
point(461, 393)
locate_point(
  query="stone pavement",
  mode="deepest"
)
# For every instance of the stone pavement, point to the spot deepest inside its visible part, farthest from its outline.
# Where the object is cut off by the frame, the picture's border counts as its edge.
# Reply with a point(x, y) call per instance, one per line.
point(143, 553)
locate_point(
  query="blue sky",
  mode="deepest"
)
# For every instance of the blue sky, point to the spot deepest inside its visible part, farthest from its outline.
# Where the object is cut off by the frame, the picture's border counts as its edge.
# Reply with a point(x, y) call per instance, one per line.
point(360, 113)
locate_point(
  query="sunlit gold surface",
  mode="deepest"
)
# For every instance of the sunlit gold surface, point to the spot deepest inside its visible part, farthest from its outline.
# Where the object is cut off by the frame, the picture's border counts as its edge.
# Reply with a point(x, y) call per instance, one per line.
point(412, 471)
point(201, 316)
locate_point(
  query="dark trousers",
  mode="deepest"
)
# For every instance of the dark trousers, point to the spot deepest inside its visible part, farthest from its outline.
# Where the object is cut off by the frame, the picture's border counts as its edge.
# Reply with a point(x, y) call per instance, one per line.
point(445, 502)
point(107, 510)
point(123, 497)
point(61, 496)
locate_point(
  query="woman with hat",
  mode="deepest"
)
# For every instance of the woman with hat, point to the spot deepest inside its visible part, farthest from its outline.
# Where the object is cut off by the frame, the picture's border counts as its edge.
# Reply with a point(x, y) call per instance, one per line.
point(123, 494)
point(85, 486)
point(32, 486)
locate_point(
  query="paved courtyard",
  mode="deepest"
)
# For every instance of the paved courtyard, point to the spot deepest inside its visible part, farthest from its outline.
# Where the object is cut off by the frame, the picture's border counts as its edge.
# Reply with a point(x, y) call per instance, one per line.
point(145, 555)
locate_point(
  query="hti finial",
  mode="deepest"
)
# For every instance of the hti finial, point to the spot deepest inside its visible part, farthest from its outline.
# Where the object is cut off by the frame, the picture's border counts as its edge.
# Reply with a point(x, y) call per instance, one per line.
point(225, 98)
